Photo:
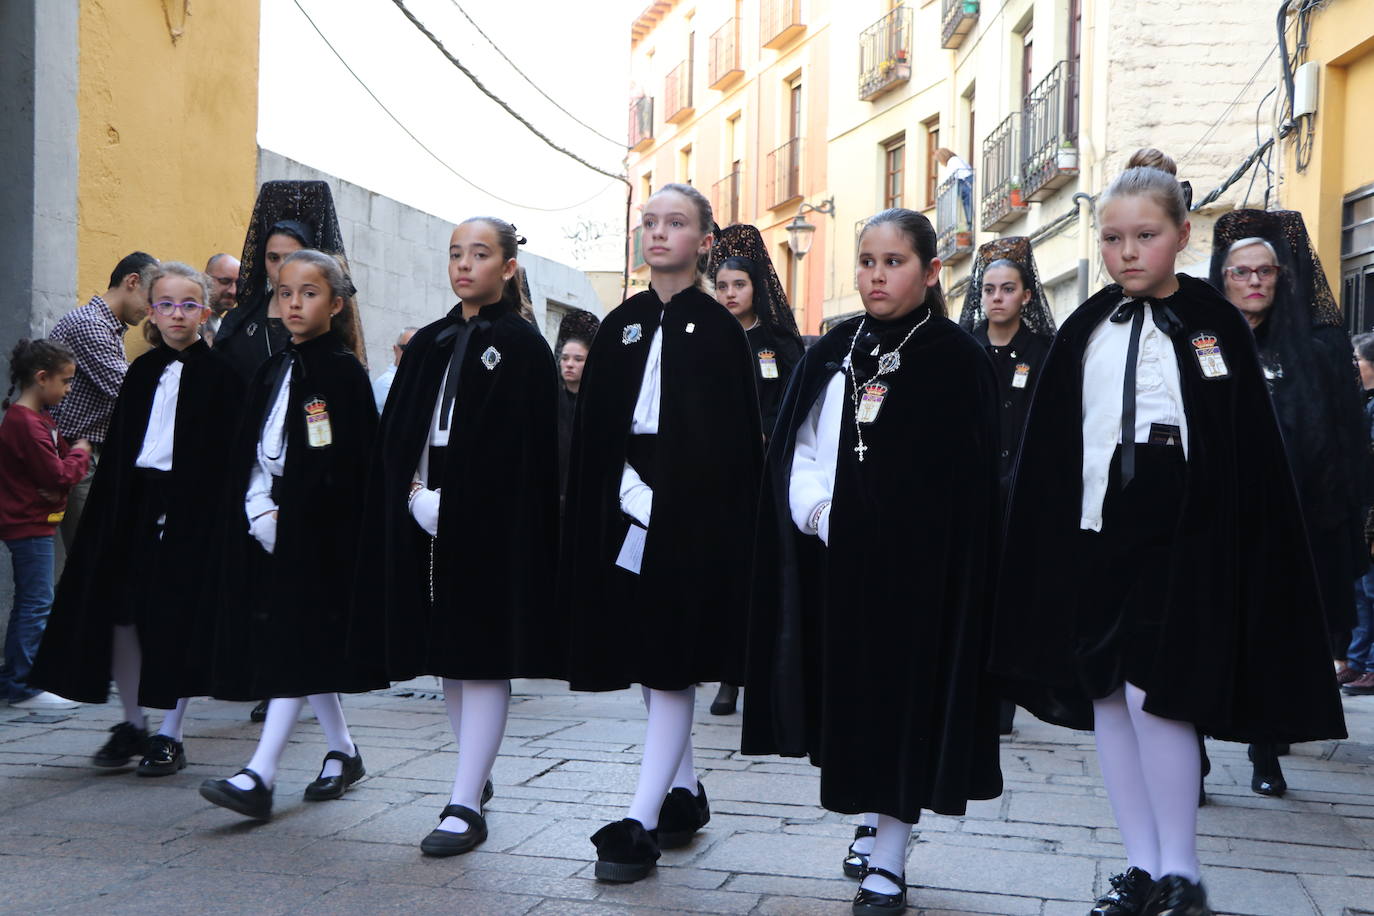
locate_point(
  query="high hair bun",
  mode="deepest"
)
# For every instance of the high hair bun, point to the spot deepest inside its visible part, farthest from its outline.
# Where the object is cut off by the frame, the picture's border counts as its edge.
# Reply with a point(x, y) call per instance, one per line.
point(1151, 158)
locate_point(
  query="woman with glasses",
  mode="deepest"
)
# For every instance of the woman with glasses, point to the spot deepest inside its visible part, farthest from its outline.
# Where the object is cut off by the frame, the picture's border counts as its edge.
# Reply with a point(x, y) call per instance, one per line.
point(1264, 263)
point(127, 605)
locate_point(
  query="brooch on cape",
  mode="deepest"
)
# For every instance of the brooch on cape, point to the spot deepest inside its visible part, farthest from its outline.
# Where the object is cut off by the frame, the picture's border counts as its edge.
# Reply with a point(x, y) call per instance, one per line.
point(889, 362)
point(631, 334)
point(490, 357)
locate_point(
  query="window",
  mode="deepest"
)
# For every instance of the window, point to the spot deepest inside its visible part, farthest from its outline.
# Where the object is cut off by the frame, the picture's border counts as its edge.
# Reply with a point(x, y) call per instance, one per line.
point(646, 188)
point(932, 164)
point(894, 171)
point(1357, 260)
point(795, 118)
point(1026, 64)
point(684, 168)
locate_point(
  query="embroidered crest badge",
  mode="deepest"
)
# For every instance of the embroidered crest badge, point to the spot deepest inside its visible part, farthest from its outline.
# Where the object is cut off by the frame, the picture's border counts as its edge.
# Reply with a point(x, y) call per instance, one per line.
point(1210, 360)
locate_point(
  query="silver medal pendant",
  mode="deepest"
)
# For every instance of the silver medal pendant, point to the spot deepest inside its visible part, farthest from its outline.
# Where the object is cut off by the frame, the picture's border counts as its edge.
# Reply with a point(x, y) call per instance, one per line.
point(490, 357)
point(631, 334)
point(889, 362)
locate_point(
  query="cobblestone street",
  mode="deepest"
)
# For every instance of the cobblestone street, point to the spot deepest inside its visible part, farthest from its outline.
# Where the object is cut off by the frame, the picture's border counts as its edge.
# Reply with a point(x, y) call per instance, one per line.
point(74, 839)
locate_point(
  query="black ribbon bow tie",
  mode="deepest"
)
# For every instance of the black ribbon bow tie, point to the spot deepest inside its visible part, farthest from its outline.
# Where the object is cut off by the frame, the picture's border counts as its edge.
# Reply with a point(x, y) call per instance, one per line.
point(460, 332)
point(1133, 310)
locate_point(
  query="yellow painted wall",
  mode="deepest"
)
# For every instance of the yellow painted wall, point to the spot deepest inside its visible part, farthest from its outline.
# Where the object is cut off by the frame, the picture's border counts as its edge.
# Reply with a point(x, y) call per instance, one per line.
point(167, 134)
point(1342, 41)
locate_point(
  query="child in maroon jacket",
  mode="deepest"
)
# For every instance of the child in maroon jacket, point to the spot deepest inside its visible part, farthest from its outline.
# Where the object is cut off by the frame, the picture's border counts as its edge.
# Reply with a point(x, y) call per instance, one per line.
point(37, 471)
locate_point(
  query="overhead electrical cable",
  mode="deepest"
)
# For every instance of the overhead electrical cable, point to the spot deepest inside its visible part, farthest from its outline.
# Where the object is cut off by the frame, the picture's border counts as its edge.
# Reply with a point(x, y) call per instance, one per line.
point(420, 143)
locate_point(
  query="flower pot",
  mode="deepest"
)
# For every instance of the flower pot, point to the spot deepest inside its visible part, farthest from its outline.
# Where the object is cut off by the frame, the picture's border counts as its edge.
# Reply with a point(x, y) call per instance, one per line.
point(1016, 202)
point(1067, 159)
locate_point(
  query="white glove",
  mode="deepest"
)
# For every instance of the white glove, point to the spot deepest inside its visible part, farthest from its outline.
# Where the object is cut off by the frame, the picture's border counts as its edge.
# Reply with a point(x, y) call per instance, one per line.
point(264, 528)
point(424, 508)
point(638, 503)
point(823, 525)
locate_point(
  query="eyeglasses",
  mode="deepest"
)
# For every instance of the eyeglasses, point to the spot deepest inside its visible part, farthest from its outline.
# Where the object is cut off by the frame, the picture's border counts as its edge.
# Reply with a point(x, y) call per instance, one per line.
point(167, 306)
point(1242, 274)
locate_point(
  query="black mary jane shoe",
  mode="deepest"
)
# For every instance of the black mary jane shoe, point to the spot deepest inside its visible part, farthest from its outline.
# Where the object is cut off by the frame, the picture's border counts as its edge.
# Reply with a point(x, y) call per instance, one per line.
point(625, 851)
point(326, 787)
point(164, 757)
point(681, 816)
point(726, 698)
point(874, 903)
point(856, 862)
point(1267, 777)
point(1175, 895)
point(255, 802)
point(441, 843)
point(259, 713)
point(1128, 896)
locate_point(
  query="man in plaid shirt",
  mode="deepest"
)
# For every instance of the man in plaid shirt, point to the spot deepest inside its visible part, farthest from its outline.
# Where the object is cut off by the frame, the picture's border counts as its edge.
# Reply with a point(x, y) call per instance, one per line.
point(95, 332)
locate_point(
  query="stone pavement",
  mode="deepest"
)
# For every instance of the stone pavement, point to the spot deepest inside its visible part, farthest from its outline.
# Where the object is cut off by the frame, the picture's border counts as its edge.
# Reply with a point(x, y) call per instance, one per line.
point(74, 839)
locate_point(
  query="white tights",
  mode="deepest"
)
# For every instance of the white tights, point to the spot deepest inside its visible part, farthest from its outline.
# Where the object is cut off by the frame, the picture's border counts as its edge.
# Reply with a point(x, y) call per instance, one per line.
point(1151, 768)
point(282, 713)
point(889, 852)
point(126, 660)
point(668, 761)
point(477, 711)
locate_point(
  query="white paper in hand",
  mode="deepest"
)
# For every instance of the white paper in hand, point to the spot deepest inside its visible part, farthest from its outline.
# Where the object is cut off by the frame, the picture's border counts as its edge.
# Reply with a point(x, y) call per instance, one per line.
point(632, 551)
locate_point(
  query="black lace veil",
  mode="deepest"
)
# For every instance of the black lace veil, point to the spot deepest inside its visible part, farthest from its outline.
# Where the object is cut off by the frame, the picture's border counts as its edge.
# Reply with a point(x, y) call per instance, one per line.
point(1035, 315)
point(770, 300)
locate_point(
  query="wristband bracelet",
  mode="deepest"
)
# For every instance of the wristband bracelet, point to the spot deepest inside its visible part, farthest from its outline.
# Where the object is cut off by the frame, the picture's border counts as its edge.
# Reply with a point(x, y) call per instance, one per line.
point(814, 523)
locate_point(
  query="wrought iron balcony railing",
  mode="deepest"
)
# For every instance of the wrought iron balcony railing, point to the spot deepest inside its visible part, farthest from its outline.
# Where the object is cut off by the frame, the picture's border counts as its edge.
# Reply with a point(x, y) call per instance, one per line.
point(779, 22)
point(784, 173)
point(1001, 202)
point(677, 93)
point(725, 65)
point(1050, 157)
point(954, 219)
point(641, 122)
point(885, 54)
point(957, 18)
point(725, 198)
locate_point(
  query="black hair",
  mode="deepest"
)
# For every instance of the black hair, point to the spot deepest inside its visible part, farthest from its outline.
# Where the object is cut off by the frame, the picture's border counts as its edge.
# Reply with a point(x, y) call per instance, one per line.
point(1027, 281)
point(921, 234)
point(510, 240)
point(751, 267)
point(139, 262)
point(29, 357)
point(1364, 346)
point(293, 228)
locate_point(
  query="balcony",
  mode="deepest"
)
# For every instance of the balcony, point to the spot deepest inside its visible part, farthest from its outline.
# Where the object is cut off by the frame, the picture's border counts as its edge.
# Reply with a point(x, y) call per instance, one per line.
point(784, 173)
point(1050, 157)
point(637, 255)
point(779, 22)
point(957, 19)
point(1001, 203)
point(885, 54)
point(725, 198)
point(725, 66)
point(954, 231)
point(677, 93)
point(641, 122)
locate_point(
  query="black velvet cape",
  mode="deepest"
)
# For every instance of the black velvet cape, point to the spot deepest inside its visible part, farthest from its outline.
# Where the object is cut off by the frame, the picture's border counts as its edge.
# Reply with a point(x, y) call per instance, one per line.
point(1025, 348)
point(1243, 656)
point(868, 655)
point(494, 560)
point(281, 626)
point(678, 621)
point(169, 583)
point(787, 352)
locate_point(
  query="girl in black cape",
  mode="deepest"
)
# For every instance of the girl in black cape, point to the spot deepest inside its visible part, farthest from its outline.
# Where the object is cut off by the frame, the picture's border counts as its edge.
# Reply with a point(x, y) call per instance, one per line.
point(461, 526)
point(1147, 578)
point(664, 475)
point(575, 334)
point(877, 522)
point(1005, 311)
point(1305, 353)
point(135, 586)
point(296, 476)
point(287, 217)
point(748, 286)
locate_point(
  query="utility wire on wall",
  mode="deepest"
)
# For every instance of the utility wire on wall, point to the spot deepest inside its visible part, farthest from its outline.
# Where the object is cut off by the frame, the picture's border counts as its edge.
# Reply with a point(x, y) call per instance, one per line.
point(618, 141)
point(491, 95)
point(420, 143)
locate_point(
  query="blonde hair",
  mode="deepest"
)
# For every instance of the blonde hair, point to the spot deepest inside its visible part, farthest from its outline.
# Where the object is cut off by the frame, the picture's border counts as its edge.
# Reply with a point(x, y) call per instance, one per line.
point(1152, 174)
point(174, 269)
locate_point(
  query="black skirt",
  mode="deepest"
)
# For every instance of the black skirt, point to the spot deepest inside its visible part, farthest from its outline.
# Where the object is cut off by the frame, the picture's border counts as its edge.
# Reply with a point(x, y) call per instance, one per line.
point(1126, 569)
point(150, 497)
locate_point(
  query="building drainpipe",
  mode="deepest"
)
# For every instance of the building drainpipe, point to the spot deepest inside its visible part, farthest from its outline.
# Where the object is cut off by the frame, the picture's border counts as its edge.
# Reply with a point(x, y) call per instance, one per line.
point(1085, 203)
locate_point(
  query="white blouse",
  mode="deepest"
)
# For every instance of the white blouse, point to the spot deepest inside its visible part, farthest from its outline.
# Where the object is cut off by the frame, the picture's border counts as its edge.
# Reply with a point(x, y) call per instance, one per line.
point(156, 452)
point(1158, 399)
point(635, 495)
point(811, 486)
point(271, 458)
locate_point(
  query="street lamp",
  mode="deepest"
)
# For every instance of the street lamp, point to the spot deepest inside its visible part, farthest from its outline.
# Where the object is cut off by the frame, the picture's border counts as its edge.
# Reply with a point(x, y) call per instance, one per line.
point(800, 233)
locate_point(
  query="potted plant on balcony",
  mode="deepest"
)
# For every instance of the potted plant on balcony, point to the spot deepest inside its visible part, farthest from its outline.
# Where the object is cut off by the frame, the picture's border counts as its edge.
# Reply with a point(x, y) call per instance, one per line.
point(1067, 157)
point(1014, 195)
